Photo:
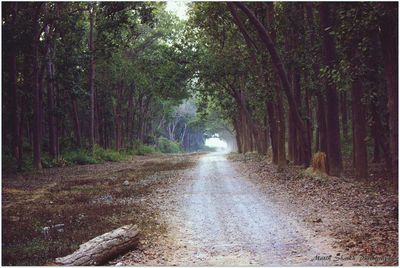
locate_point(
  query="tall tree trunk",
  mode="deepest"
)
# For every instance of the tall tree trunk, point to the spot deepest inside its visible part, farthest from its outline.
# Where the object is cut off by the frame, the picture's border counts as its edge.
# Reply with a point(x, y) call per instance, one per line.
point(37, 137)
point(118, 116)
point(359, 131)
point(321, 134)
point(375, 133)
point(334, 154)
point(343, 111)
point(291, 124)
point(282, 162)
point(59, 130)
point(297, 95)
point(321, 119)
point(273, 130)
point(389, 39)
point(236, 125)
point(92, 71)
point(280, 112)
point(307, 110)
point(21, 132)
point(75, 119)
point(14, 93)
point(129, 118)
point(96, 118)
point(50, 101)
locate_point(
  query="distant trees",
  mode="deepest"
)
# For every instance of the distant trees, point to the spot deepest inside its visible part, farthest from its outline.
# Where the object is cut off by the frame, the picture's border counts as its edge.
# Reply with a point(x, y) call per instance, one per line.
point(302, 72)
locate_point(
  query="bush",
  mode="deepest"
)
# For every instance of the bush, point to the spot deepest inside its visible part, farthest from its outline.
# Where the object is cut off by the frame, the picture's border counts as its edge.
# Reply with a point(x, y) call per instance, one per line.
point(101, 154)
point(140, 148)
point(79, 157)
point(167, 146)
point(10, 165)
point(47, 162)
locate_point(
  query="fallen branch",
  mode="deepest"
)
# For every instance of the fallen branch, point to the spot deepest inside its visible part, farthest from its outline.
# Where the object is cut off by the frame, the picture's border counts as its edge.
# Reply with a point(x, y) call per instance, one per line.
point(102, 248)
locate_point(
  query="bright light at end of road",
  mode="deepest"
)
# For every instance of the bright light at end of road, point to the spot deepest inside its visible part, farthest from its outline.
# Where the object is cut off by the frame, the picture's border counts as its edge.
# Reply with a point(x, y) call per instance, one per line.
point(216, 143)
point(179, 8)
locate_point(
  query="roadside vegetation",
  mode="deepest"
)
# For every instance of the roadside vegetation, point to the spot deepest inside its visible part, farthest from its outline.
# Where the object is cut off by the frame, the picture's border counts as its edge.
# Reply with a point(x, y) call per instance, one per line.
point(97, 155)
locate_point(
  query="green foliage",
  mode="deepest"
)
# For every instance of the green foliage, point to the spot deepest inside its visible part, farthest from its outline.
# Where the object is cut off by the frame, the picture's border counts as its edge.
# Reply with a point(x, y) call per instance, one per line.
point(101, 154)
point(79, 157)
point(167, 146)
point(48, 162)
point(140, 148)
point(8, 163)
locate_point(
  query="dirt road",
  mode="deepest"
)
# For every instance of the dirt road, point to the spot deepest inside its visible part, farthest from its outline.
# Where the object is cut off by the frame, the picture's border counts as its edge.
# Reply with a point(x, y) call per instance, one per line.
point(218, 217)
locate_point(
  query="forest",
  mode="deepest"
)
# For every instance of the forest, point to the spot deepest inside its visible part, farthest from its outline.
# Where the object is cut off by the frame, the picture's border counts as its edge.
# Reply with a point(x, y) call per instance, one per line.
point(287, 78)
point(306, 84)
point(80, 77)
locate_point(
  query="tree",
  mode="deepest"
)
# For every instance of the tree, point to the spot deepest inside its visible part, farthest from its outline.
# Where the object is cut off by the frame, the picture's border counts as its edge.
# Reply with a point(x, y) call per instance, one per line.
point(92, 70)
point(334, 154)
point(388, 34)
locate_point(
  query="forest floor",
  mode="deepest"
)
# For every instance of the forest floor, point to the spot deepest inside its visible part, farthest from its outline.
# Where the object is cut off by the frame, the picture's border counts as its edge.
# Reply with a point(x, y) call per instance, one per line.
point(198, 209)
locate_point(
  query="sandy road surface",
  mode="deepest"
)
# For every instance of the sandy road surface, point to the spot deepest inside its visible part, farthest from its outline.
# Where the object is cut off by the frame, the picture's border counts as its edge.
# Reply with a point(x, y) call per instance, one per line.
point(218, 217)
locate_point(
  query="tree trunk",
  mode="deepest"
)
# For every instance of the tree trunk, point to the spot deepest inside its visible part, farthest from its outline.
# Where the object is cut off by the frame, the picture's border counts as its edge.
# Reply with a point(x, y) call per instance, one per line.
point(298, 156)
point(50, 102)
point(102, 248)
point(282, 161)
point(236, 124)
point(59, 129)
point(92, 70)
point(75, 119)
point(307, 110)
point(118, 116)
point(321, 142)
point(334, 154)
point(37, 137)
point(183, 133)
point(291, 124)
point(359, 131)
point(388, 36)
point(129, 117)
point(14, 93)
point(273, 130)
point(343, 111)
point(321, 119)
point(375, 133)
point(279, 110)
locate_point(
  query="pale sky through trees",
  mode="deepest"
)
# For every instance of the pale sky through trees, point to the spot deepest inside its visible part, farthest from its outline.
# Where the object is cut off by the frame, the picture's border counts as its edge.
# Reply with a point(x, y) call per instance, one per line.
point(179, 8)
point(216, 142)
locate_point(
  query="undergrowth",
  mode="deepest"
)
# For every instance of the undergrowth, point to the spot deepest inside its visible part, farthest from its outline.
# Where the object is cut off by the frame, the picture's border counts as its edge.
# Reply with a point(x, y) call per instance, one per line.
point(74, 156)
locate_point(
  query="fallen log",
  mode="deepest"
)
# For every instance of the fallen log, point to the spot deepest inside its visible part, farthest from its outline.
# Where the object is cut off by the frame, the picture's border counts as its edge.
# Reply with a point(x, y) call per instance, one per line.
point(102, 248)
